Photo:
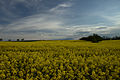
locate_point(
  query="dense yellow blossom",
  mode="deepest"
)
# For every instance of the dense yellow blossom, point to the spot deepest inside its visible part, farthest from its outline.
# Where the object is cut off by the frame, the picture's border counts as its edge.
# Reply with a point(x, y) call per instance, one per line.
point(60, 60)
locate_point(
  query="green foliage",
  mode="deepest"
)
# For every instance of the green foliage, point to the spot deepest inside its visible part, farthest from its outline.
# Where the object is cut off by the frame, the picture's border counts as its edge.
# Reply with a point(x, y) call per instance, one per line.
point(60, 60)
point(94, 38)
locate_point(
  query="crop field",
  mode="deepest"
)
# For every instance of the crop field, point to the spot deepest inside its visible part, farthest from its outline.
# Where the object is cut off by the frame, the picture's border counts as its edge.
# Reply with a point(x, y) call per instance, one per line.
point(60, 60)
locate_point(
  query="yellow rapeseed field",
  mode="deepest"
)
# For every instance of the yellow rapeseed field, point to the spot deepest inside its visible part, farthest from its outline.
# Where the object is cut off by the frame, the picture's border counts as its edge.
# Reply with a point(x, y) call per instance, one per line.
point(60, 60)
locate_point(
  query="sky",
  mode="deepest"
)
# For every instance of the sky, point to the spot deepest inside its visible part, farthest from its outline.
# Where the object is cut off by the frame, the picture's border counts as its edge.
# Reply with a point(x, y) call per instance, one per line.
point(58, 19)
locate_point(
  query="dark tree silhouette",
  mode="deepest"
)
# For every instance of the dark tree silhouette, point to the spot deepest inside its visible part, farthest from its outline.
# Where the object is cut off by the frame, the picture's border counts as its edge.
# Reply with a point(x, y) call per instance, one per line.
point(1, 39)
point(22, 39)
point(94, 38)
point(112, 38)
point(9, 39)
point(18, 39)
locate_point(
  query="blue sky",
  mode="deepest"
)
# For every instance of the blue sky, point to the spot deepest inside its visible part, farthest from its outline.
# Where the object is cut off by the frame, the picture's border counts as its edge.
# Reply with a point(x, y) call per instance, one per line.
point(58, 19)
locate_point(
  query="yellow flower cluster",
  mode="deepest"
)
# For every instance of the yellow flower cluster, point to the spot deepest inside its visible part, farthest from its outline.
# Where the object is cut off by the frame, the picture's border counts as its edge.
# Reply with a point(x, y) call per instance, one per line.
point(60, 60)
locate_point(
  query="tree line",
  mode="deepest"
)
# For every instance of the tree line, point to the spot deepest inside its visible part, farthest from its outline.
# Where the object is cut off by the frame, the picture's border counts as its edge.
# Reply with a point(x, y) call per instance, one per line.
point(95, 38)
point(11, 40)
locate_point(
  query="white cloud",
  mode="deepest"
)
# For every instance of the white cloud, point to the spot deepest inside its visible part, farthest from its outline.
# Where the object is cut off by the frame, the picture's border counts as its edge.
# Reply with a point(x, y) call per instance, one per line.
point(35, 26)
point(115, 19)
point(35, 22)
point(100, 29)
point(64, 5)
point(61, 8)
point(38, 23)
